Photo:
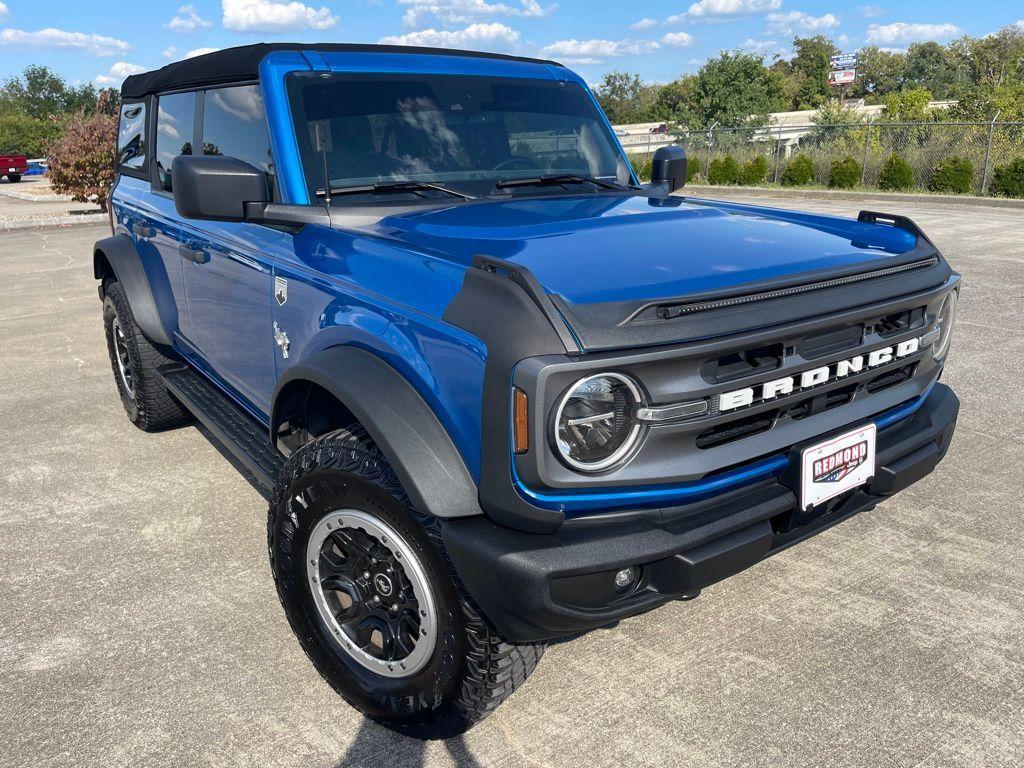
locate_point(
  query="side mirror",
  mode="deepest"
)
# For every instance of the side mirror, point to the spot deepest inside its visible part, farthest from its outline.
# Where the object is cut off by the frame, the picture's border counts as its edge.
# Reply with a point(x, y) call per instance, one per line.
point(668, 169)
point(216, 188)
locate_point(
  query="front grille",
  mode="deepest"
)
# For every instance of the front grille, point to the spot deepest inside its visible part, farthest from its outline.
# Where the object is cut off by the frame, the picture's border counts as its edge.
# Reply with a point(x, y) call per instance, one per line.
point(737, 430)
point(890, 378)
point(898, 322)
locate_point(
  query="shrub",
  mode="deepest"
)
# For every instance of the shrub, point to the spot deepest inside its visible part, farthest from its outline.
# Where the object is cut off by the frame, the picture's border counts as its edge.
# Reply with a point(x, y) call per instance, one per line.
point(754, 171)
point(81, 162)
point(955, 174)
point(799, 172)
point(1008, 179)
point(724, 170)
point(642, 166)
point(844, 174)
point(896, 174)
point(692, 168)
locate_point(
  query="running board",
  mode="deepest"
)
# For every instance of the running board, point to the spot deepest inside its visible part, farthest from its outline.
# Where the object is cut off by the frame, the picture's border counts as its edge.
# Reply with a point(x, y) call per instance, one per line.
point(243, 438)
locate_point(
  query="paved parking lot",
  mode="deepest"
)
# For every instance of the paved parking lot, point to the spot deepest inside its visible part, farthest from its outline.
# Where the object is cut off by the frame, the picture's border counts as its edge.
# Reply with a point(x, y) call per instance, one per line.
point(139, 625)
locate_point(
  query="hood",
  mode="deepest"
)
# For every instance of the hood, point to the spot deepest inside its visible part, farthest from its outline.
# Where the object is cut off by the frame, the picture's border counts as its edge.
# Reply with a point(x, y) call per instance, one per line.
point(609, 248)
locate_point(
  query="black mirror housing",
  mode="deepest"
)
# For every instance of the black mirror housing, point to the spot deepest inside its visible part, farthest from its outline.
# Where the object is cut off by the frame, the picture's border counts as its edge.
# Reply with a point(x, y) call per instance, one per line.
point(668, 168)
point(215, 187)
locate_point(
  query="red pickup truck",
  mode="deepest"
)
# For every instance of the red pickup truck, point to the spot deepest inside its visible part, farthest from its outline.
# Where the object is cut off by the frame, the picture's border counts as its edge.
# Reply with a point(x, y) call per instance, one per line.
point(13, 166)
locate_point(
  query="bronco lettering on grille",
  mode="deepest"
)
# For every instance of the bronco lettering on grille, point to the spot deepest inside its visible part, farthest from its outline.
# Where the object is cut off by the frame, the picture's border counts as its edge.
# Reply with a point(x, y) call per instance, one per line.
point(815, 377)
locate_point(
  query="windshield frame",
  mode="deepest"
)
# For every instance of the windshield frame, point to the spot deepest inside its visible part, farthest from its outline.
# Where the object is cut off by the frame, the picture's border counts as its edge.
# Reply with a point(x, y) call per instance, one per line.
point(308, 158)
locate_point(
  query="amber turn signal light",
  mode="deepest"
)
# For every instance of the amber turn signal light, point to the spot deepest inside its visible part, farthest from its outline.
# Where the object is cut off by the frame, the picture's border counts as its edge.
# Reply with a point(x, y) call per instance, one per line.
point(520, 421)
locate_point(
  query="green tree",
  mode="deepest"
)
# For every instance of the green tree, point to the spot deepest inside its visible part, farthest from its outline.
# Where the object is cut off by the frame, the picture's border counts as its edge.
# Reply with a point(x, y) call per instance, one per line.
point(983, 104)
point(20, 132)
point(990, 61)
point(676, 101)
point(927, 65)
point(878, 72)
point(810, 65)
point(737, 89)
point(41, 93)
point(624, 98)
point(908, 105)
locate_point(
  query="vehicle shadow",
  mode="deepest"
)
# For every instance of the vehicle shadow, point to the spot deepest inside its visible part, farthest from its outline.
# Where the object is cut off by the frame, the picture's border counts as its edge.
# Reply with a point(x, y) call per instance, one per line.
point(376, 746)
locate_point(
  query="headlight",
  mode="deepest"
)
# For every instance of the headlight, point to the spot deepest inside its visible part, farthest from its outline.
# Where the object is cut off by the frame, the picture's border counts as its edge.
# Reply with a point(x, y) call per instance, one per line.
point(596, 424)
point(945, 320)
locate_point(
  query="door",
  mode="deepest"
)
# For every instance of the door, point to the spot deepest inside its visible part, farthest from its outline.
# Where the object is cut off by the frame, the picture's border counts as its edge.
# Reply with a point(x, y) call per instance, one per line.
point(154, 222)
point(228, 267)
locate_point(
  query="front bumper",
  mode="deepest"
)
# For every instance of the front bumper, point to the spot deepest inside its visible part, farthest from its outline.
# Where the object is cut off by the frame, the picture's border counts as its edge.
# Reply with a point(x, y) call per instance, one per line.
point(540, 586)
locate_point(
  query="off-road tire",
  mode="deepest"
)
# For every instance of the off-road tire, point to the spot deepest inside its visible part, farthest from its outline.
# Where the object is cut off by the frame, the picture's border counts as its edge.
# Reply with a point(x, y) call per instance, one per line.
point(13, 178)
point(149, 406)
point(471, 669)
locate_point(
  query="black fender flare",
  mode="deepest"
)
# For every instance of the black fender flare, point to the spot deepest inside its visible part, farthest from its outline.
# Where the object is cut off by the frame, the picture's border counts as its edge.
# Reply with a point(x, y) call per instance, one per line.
point(398, 420)
point(120, 253)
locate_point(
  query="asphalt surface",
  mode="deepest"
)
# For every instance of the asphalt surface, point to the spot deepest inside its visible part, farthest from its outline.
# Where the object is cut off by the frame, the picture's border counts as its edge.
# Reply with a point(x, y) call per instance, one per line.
point(139, 625)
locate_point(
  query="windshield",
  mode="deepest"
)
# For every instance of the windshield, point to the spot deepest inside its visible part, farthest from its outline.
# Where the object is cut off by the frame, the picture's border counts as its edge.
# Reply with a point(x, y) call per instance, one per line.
point(464, 132)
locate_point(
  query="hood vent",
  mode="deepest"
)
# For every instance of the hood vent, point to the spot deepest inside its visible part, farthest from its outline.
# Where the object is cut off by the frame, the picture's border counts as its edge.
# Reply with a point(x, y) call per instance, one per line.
point(670, 311)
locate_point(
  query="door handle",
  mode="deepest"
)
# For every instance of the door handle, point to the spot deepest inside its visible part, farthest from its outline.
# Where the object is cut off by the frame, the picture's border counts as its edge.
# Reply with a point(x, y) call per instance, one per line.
point(195, 255)
point(143, 230)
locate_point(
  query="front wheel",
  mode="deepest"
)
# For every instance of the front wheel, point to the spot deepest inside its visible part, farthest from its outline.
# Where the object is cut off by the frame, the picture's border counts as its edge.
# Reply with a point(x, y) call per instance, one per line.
point(14, 178)
point(369, 592)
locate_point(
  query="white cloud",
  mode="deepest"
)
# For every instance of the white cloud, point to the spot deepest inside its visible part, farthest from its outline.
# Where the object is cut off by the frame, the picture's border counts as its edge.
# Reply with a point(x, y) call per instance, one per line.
point(644, 24)
point(273, 16)
point(117, 73)
point(596, 51)
point(491, 37)
point(770, 49)
point(3, 11)
point(788, 23)
point(718, 10)
point(677, 40)
point(187, 20)
point(200, 52)
point(468, 11)
point(902, 32)
point(97, 45)
point(871, 11)
point(759, 46)
point(168, 53)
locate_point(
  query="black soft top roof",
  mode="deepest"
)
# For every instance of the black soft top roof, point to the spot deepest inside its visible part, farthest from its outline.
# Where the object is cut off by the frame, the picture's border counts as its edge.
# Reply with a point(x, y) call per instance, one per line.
point(242, 63)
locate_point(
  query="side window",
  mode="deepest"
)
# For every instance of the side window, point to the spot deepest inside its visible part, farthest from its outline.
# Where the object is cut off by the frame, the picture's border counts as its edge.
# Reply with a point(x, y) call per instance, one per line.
point(131, 137)
point(234, 124)
point(174, 126)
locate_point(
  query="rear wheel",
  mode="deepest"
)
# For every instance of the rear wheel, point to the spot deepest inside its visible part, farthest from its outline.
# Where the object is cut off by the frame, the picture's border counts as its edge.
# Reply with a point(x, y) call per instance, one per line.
point(368, 590)
point(134, 361)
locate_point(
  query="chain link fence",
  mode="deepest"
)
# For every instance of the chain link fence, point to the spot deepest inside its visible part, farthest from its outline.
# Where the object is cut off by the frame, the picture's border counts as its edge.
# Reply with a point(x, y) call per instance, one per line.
point(923, 145)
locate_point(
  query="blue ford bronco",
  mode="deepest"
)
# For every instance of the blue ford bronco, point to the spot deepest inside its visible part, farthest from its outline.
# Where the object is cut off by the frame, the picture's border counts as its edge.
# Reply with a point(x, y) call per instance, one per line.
point(496, 390)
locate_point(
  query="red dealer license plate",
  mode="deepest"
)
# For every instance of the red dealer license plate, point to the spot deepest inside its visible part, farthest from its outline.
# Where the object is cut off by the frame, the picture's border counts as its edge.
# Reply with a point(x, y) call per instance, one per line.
point(836, 466)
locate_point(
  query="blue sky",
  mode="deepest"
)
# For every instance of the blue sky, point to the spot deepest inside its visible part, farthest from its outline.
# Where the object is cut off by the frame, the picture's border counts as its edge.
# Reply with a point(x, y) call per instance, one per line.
point(105, 40)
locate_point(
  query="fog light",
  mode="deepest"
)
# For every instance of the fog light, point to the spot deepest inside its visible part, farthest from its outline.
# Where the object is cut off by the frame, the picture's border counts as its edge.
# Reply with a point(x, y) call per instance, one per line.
point(626, 578)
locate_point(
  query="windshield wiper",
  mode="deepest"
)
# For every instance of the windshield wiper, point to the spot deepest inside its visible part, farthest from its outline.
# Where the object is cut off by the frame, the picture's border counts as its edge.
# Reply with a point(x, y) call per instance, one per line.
point(557, 180)
point(392, 186)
